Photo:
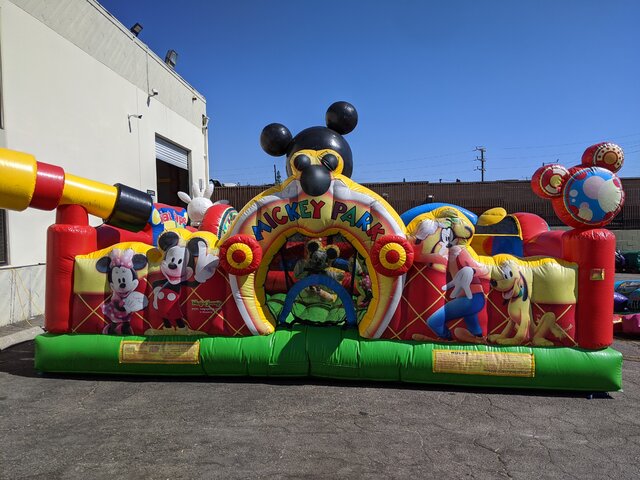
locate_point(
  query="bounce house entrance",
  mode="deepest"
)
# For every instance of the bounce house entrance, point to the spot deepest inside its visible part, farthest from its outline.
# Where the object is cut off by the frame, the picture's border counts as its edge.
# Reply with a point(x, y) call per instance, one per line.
point(319, 281)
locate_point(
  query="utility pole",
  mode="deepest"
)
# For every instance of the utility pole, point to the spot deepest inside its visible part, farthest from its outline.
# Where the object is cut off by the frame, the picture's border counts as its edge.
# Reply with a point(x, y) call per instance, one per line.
point(481, 160)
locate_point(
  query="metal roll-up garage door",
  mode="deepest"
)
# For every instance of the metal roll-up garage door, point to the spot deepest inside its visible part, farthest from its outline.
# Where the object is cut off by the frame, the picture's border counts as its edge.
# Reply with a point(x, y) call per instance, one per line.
point(172, 153)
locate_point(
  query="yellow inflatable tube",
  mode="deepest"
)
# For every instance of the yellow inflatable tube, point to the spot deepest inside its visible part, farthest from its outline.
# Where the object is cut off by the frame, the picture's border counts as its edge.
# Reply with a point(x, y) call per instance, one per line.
point(27, 183)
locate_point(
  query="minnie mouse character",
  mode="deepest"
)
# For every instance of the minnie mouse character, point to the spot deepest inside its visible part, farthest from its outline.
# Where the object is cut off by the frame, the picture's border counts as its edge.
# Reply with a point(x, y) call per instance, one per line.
point(180, 263)
point(121, 268)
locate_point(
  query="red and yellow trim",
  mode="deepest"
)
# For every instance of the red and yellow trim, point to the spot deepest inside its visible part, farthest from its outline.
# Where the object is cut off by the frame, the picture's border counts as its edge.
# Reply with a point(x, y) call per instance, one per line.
point(240, 255)
point(392, 255)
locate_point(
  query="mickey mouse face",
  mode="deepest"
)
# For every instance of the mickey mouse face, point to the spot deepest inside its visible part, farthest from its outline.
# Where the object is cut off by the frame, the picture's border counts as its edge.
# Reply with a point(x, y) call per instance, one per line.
point(175, 265)
point(315, 153)
point(321, 258)
point(177, 258)
point(587, 195)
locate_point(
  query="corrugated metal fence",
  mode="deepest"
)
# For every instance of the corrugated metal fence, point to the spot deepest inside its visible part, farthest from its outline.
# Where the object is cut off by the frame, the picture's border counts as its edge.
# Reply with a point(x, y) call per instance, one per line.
point(514, 196)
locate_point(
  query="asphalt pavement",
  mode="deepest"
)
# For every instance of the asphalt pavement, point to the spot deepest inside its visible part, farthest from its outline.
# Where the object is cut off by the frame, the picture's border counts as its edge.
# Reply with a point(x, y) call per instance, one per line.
point(128, 427)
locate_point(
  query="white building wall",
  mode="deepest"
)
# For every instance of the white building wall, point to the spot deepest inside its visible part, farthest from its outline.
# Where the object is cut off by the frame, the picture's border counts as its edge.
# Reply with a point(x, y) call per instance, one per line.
point(67, 103)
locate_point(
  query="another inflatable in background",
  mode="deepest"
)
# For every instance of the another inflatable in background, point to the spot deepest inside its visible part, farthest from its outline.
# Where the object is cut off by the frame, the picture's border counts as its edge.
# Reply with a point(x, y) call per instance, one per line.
point(320, 276)
point(627, 307)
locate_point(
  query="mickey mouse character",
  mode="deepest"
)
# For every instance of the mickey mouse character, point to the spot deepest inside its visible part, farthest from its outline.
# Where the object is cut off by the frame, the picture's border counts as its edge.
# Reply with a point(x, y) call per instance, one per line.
point(319, 261)
point(315, 153)
point(121, 268)
point(180, 263)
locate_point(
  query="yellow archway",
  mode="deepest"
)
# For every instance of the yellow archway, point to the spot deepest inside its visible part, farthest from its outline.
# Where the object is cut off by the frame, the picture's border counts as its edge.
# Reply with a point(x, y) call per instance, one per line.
point(347, 208)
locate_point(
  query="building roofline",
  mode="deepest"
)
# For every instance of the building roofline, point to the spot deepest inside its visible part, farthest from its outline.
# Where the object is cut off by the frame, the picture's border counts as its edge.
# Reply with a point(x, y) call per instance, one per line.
point(109, 16)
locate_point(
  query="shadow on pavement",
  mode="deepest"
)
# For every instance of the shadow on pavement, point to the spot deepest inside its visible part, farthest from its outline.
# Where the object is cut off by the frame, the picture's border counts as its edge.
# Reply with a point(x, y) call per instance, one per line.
point(18, 360)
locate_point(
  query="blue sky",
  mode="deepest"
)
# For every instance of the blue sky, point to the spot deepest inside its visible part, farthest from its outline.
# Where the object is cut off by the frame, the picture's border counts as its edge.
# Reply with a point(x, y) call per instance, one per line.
point(532, 81)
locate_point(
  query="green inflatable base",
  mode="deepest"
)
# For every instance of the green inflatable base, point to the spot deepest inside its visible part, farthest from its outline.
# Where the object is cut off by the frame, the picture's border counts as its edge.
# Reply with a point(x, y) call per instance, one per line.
point(333, 352)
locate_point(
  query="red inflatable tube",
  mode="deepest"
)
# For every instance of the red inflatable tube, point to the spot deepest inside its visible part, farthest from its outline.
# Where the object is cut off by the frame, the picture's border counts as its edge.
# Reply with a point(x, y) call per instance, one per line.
point(70, 236)
point(531, 225)
point(109, 235)
point(547, 244)
point(594, 252)
point(49, 187)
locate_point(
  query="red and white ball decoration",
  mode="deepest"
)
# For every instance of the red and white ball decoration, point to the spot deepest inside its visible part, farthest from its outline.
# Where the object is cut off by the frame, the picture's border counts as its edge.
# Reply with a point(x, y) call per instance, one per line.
point(587, 195)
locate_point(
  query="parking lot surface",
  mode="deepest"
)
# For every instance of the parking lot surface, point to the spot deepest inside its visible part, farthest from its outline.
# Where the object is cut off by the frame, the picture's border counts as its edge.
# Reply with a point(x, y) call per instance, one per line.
point(131, 427)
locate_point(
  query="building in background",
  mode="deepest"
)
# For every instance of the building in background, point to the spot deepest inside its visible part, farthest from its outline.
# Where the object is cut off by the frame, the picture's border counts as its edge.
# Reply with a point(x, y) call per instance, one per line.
point(78, 89)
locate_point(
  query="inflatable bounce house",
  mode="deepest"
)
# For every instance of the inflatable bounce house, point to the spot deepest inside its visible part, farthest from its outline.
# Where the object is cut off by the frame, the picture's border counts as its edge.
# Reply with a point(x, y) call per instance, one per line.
point(626, 305)
point(319, 276)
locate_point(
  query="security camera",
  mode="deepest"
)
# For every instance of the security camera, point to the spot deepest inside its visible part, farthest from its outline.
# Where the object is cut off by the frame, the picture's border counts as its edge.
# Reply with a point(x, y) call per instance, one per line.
point(154, 92)
point(139, 116)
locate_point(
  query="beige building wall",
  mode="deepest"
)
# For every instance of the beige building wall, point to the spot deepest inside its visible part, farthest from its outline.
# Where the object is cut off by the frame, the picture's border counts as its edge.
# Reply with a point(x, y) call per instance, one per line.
point(71, 76)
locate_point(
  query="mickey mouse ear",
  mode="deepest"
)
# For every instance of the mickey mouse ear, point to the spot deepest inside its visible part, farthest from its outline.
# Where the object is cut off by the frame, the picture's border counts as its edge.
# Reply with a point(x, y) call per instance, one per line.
point(313, 245)
point(275, 139)
point(342, 117)
point(333, 252)
point(168, 239)
point(548, 180)
point(607, 155)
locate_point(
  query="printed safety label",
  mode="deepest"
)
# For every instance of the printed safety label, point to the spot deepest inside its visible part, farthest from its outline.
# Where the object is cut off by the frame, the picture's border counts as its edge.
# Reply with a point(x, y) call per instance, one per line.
point(500, 364)
point(132, 351)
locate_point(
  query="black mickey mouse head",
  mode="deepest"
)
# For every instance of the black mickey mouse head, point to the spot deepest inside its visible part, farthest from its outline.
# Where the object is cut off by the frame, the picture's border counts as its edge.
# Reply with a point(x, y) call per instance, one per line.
point(316, 151)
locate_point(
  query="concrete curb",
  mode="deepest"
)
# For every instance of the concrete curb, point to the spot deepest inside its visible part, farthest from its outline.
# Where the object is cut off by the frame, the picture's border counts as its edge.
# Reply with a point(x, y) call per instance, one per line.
point(19, 337)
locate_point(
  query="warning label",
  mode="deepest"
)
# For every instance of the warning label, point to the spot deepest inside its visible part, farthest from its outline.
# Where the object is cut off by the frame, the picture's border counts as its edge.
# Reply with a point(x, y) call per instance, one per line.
point(500, 364)
point(132, 351)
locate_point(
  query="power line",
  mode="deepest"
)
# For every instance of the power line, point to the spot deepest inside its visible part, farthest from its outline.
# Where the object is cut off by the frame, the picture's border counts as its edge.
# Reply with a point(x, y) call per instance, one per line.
point(631, 148)
point(566, 144)
point(481, 160)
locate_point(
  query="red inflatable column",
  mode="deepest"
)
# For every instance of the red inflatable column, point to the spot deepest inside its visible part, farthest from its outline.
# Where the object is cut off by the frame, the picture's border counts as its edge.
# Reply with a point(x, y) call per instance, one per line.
point(70, 236)
point(594, 252)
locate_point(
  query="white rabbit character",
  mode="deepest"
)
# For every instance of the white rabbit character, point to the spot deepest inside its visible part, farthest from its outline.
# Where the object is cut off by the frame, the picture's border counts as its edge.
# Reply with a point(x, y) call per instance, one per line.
point(199, 204)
